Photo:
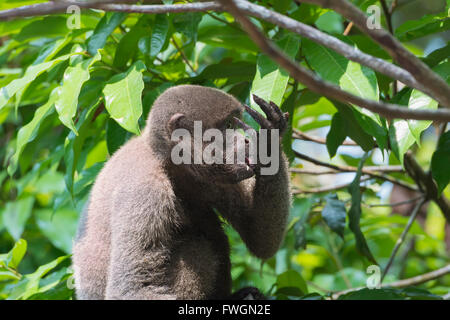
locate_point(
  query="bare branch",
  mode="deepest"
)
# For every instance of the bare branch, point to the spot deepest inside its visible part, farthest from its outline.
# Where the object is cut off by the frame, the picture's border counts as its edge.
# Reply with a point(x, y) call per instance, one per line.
point(319, 86)
point(405, 282)
point(337, 45)
point(396, 204)
point(61, 7)
point(371, 173)
point(328, 188)
point(397, 51)
point(403, 236)
point(303, 136)
point(425, 181)
point(261, 12)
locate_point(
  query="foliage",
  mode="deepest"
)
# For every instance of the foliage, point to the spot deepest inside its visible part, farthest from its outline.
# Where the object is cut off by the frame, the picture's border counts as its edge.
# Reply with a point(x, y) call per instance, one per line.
point(70, 98)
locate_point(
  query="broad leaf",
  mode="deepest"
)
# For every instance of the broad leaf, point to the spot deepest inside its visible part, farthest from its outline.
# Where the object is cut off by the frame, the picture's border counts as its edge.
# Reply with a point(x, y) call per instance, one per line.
point(126, 49)
point(123, 97)
point(270, 81)
point(104, 28)
point(32, 73)
point(74, 78)
point(440, 162)
point(28, 132)
point(16, 215)
point(16, 254)
point(334, 214)
point(354, 214)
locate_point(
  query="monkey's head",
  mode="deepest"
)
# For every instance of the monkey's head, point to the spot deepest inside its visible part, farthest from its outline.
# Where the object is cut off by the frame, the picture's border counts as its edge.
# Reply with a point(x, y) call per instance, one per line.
point(179, 126)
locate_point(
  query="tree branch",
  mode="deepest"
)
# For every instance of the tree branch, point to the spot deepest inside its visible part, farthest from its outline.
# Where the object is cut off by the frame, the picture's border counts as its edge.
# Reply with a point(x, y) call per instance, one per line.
point(350, 52)
point(405, 58)
point(425, 181)
point(405, 282)
point(403, 236)
point(303, 136)
point(319, 86)
point(61, 7)
point(328, 188)
point(354, 169)
point(254, 10)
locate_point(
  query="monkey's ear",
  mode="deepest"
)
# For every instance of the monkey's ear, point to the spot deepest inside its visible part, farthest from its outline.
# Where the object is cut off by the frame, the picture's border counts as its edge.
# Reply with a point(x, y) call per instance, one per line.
point(176, 122)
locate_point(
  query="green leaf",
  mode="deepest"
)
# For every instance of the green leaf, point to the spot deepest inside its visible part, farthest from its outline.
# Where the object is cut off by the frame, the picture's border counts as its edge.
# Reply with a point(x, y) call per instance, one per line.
point(336, 135)
point(233, 71)
point(354, 214)
point(73, 146)
point(30, 283)
point(104, 28)
point(32, 73)
point(16, 215)
point(47, 27)
point(270, 81)
point(74, 78)
point(116, 136)
point(372, 294)
point(350, 76)
point(159, 34)
point(126, 49)
point(440, 162)
point(428, 24)
point(187, 24)
point(28, 132)
point(300, 213)
point(353, 128)
point(292, 279)
point(218, 34)
point(16, 254)
point(281, 5)
point(334, 214)
point(401, 138)
point(51, 226)
point(123, 97)
point(420, 101)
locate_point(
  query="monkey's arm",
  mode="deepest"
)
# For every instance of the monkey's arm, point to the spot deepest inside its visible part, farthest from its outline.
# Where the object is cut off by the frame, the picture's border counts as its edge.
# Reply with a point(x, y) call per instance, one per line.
point(258, 209)
point(141, 227)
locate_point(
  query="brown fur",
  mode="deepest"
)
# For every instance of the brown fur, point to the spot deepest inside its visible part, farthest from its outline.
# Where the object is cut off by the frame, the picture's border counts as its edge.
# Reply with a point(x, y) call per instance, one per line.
point(150, 232)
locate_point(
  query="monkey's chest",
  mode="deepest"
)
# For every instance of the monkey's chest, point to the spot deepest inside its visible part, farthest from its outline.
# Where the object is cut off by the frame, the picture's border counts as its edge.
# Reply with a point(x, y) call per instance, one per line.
point(203, 257)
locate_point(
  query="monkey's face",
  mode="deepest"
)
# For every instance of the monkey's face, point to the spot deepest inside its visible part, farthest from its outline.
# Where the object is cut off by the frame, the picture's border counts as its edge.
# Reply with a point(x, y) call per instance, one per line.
point(213, 151)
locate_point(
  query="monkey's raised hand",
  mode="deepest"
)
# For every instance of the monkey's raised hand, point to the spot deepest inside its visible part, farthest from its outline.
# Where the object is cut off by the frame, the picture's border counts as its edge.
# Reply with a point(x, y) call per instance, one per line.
point(275, 120)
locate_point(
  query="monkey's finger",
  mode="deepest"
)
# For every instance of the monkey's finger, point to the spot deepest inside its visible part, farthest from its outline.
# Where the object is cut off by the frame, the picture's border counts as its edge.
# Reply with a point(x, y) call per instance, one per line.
point(277, 109)
point(267, 108)
point(238, 122)
point(263, 122)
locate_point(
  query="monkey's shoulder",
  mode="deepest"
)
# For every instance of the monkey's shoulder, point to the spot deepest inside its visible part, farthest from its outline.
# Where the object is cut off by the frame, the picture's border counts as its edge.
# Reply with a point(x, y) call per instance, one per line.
point(132, 171)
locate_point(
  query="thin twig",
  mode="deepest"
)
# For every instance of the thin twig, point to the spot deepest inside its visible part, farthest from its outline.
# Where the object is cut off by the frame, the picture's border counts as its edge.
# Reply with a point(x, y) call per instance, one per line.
point(303, 136)
point(328, 188)
point(426, 183)
point(316, 84)
point(401, 55)
point(387, 15)
point(403, 236)
point(183, 56)
point(354, 169)
point(405, 282)
point(396, 204)
point(348, 29)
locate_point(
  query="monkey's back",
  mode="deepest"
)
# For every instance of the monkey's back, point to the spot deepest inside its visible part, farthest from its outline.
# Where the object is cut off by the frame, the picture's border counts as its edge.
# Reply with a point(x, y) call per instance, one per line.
point(91, 251)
